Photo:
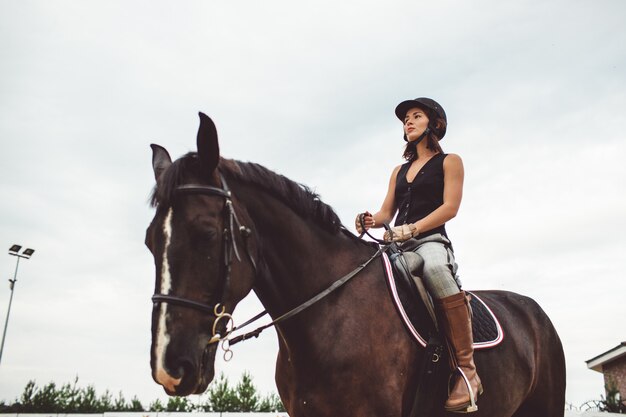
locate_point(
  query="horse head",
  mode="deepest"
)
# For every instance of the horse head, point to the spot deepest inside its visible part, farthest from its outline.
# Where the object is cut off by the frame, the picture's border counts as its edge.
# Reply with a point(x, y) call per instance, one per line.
point(194, 240)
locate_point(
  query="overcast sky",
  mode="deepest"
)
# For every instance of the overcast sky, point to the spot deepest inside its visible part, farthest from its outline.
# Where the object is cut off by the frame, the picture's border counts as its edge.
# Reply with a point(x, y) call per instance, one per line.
point(535, 93)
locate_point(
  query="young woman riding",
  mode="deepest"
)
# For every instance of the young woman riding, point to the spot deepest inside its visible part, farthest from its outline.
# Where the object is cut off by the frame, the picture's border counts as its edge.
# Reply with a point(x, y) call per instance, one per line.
point(426, 192)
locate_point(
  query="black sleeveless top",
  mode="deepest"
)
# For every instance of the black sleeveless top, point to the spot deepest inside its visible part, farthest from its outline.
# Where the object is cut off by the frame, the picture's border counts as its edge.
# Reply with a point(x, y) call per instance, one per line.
point(416, 200)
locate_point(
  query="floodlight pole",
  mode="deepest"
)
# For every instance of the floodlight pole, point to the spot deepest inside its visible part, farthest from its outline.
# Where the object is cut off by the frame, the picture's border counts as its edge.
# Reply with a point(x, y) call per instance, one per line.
point(12, 285)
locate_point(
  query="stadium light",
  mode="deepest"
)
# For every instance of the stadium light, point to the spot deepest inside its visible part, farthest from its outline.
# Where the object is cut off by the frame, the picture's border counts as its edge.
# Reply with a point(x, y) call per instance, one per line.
point(26, 254)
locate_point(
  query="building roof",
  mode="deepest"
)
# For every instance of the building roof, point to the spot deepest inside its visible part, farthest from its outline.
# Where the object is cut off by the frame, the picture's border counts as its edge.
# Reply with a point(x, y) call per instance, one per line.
point(608, 356)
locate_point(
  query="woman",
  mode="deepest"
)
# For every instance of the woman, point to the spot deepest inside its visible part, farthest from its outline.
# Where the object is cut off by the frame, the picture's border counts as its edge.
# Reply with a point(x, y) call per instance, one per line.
point(426, 192)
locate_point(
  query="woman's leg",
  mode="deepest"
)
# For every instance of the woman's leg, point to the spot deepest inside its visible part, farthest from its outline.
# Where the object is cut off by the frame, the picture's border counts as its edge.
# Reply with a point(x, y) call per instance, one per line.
point(456, 320)
point(439, 269)
point(453, 311)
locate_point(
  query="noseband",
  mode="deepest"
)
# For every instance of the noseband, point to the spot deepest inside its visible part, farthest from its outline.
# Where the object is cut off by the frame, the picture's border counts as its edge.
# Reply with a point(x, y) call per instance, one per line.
point(229, 246)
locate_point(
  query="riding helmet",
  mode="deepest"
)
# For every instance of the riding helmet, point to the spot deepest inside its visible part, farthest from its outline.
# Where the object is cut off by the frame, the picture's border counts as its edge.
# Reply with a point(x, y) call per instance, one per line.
point(428, 104)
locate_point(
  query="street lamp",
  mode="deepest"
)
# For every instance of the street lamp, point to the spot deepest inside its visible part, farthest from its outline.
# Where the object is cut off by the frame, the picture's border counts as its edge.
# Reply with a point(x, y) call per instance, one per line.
point(26, 254)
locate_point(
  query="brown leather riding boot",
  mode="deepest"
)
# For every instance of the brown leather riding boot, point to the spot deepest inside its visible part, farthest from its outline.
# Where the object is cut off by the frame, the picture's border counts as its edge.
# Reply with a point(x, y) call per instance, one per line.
point(457, 325)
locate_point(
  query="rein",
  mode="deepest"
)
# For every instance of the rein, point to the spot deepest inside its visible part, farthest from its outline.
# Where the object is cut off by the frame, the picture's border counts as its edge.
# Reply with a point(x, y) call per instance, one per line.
point(365, 232)
point(229, 247)
point(335, 285)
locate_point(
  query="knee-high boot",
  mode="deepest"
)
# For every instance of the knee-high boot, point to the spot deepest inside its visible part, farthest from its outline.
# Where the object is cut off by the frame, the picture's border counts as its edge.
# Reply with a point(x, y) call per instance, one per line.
point(456, 318)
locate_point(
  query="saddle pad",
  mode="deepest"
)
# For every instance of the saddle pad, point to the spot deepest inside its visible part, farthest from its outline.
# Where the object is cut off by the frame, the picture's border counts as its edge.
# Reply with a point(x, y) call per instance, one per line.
point(485, 326)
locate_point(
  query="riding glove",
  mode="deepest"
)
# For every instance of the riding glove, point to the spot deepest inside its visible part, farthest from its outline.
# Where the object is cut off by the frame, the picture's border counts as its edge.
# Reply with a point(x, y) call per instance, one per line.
point(401, 233)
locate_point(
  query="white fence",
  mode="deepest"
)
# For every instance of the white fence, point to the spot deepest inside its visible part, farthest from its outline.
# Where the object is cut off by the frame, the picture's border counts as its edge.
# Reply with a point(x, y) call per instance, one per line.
point(568, 413)
point(153, 414)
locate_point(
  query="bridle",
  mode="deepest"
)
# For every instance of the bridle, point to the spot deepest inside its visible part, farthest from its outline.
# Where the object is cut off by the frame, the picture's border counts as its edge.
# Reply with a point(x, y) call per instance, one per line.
point(229, 246)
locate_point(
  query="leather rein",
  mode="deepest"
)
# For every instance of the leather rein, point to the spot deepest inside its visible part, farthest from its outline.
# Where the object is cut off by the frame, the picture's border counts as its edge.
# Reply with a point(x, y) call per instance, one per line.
point(229, 246)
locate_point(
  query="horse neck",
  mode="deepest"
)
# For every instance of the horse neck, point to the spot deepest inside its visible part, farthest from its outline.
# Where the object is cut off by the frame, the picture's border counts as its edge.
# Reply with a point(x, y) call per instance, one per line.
point(299, 258)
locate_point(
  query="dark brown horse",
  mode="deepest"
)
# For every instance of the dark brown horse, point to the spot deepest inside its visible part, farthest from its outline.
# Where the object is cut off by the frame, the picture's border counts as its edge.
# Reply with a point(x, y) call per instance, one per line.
point(347, 355)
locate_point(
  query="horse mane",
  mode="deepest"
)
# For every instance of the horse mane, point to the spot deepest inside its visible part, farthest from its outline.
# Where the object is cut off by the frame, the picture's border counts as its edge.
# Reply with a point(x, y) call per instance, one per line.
point(300, 198)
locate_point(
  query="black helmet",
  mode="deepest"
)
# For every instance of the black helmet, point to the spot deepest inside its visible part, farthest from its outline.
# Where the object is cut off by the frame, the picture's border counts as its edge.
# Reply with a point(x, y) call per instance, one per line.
point(424, 103)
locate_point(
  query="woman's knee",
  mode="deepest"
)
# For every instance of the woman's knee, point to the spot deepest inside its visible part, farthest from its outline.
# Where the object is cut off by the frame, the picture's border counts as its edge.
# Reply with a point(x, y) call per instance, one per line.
point(440, 281)
point(437, 271)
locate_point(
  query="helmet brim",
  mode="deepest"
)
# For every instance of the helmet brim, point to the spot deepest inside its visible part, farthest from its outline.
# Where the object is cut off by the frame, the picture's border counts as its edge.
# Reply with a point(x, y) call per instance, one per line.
point(405, 106)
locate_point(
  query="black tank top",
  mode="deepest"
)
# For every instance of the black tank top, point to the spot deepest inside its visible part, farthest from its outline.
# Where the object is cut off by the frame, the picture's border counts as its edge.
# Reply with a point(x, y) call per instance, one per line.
point(421, 197)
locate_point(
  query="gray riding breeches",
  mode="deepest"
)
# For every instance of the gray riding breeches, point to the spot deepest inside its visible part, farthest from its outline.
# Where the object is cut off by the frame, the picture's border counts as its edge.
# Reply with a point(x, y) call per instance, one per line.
point(439, 272)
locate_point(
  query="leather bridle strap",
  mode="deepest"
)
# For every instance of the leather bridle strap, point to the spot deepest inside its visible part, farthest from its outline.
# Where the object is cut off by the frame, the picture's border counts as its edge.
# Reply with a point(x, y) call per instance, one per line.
point(334, 286)
point(204, 189)
point(172, 299)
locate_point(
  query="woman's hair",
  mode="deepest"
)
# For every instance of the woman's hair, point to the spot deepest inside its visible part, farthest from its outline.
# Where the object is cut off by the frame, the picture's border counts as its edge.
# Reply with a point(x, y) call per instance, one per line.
point(436, 125)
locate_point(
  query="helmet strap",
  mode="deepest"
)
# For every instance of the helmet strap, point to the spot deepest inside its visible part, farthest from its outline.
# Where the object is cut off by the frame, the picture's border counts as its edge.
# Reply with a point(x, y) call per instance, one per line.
point(418, 140)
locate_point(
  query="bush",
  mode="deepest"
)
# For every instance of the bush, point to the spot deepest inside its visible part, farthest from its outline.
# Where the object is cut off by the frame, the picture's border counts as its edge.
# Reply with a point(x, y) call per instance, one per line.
point(613, 402)
point(242, 398)
point(220, 397)
point(68, 399)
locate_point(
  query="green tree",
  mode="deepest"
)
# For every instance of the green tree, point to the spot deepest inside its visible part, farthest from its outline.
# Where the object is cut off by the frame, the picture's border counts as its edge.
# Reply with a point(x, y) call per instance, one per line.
point(45, 399)
point(25, 399)
point(220, 396)
point(29, 391)
point(105, 402)
point(135, 405)
point(181, 404)
point(156, 405)
point(69, 399)
point(246, 399)
point(69, 396)
point(271, 403)
point(87, 401)
point(120, 403)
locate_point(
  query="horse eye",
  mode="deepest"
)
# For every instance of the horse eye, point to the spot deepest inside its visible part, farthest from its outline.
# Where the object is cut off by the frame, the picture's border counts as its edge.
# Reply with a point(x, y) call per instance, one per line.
point(206, 233)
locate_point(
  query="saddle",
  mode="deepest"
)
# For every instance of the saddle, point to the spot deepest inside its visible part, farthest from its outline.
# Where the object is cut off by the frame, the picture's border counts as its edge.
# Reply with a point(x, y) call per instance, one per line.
point(404, 269)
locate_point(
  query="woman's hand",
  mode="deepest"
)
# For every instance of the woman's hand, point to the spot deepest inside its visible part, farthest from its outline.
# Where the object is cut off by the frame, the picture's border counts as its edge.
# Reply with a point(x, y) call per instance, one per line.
point(367, 219)
point(401, 233)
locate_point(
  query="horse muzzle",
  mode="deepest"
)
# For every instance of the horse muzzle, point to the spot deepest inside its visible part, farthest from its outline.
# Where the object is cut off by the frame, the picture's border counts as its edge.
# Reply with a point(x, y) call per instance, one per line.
point(185, 375)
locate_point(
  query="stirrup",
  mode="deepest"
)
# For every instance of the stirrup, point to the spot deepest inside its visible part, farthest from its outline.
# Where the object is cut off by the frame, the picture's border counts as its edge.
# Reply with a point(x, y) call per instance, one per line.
point(472, 405)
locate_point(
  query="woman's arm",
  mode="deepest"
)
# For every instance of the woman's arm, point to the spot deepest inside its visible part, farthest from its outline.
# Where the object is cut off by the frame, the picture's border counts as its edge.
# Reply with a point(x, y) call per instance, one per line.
point(388, 208)
point(452, 193)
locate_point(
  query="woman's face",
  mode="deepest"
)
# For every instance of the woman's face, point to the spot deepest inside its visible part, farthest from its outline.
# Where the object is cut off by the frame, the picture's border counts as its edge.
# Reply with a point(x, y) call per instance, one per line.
point(415, 122)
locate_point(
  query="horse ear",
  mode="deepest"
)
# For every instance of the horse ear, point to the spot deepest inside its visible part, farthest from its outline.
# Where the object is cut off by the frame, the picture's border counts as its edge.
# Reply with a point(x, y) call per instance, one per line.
point(208, 148)
point(160, 160)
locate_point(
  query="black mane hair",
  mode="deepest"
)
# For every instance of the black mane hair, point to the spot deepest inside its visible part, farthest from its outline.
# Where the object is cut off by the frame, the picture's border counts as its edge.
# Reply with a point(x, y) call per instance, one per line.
point(300, 198)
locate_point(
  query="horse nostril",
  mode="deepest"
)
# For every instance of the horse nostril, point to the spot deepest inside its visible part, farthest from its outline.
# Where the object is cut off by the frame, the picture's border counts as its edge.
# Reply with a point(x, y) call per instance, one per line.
point(183, 368)
point(188, 374)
